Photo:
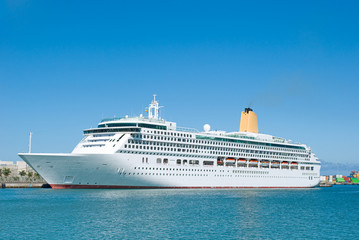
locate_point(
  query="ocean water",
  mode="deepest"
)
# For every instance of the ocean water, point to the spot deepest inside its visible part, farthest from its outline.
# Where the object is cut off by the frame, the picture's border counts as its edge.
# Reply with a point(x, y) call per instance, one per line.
point(320, 213)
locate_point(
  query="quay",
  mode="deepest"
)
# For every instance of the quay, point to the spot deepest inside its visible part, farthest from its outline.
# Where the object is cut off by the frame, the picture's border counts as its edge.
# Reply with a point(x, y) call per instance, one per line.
point(328, 181)
point(325, 184)
point(24, 185)
point(20, 175)
point(330, 184)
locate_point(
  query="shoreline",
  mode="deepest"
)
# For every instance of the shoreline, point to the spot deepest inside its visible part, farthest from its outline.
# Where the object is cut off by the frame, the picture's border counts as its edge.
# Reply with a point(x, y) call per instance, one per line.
point(46, 185)
point(24, 185)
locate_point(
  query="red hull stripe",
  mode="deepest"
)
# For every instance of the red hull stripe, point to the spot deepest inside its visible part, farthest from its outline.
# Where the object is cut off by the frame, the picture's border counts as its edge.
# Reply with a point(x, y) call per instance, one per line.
point(66, 186)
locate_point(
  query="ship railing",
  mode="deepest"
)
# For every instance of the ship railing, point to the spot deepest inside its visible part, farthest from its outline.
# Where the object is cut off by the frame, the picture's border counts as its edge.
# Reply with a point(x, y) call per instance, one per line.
point(184, 129)
point(132, 118)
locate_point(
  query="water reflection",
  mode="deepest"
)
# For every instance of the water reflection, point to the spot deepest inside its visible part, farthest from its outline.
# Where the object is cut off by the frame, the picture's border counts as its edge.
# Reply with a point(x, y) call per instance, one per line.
point(178, 214)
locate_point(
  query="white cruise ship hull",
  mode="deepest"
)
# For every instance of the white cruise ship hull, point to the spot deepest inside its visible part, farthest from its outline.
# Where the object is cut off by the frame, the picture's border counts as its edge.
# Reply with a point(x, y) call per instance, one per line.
point(129, 171)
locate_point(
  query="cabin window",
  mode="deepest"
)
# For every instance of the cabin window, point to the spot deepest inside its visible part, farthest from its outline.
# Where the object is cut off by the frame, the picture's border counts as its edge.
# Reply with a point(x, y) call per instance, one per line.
point(194, 162)
point(208, 163)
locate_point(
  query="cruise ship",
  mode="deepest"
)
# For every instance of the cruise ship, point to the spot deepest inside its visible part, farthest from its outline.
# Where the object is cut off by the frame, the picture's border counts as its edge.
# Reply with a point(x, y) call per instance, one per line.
point(149, 152)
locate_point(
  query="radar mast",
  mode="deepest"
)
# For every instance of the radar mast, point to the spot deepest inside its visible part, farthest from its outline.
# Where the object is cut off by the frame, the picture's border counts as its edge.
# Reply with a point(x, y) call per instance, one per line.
point(153, 108)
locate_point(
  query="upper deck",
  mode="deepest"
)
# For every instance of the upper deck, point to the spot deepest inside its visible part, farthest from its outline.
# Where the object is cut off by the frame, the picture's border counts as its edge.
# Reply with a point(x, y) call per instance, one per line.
point(135, 124)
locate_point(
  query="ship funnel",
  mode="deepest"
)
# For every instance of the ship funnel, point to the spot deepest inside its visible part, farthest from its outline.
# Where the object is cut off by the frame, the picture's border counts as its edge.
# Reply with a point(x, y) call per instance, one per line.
point(249, 121)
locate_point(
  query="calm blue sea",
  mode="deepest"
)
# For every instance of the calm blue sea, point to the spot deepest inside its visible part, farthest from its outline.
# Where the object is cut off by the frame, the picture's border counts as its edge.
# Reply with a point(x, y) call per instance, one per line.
point(319, 213)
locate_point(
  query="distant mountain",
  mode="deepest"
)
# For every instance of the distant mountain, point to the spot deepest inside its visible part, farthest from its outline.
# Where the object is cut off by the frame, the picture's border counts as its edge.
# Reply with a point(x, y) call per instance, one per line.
point(333, 168)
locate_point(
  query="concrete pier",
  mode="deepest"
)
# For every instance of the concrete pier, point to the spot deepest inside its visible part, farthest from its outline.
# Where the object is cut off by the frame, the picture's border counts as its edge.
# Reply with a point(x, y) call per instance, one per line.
point(25, 185)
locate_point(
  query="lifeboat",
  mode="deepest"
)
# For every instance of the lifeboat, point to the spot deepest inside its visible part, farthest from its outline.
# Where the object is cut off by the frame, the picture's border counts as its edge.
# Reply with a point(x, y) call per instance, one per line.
point(264, 162)
point(241, 160)
point(294, 165)
point(230, 159)
point(284, 163)
point(275, 163)
point(253, 162)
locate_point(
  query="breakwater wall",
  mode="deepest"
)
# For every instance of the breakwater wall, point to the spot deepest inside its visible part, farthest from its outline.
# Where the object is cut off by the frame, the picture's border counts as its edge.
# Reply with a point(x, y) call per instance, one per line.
point(24, 185)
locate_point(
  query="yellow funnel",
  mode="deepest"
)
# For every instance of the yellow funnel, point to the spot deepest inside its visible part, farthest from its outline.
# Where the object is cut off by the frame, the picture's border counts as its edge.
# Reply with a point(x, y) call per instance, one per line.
point(249, 121)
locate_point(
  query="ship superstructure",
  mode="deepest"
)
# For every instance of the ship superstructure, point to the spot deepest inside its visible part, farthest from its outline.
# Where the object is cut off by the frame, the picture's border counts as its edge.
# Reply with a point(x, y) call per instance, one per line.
point(149, 152)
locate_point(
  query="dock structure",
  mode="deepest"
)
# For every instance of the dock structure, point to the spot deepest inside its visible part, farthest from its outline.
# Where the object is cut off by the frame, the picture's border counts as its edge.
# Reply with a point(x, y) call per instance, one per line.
point(328, 181)
point(325, 184)
point(19, 175)
point(24, 185)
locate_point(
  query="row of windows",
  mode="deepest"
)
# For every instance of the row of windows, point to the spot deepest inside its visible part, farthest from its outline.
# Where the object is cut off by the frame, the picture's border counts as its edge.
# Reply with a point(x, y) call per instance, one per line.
point(104, 130)
point(250, 172)
point(196, 149)
point(144, 125)
point(194, 156)
point(167, 154)
point(260, 176)
point(249, 142)
point(168, 144)
point(166, 174)
point(94, 145)
point(165, 133)
point(307, 168)
point(102, 135)
point(209, 145)
point(237, 173)
point(200, 170)
point(176, 169)
point(207, 140)
point(226, 142)
point(219, 163)
point(203, 175)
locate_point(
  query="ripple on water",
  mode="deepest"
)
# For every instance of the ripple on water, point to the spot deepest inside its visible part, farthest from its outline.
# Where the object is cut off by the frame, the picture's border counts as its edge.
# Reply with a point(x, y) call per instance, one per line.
point(184, 214)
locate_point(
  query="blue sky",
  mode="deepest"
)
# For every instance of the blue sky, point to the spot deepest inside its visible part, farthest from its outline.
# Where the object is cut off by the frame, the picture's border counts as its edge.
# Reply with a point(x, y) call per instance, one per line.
point(64, 65)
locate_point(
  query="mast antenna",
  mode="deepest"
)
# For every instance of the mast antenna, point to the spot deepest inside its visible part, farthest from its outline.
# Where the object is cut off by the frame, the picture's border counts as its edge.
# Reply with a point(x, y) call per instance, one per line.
point(153, 109)
point(30, 136)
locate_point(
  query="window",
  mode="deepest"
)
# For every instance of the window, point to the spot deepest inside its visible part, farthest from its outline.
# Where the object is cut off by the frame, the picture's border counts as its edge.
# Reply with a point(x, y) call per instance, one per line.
point(165, 161)
point(194, 162)
point(159, 160)
point(208, 163)
point(184, 162)
point(179, 161)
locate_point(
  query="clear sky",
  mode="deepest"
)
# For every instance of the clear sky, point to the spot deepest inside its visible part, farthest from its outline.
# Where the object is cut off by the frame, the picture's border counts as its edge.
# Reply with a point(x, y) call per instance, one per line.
point(65, 65)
